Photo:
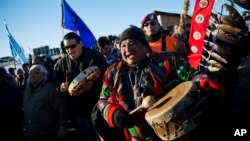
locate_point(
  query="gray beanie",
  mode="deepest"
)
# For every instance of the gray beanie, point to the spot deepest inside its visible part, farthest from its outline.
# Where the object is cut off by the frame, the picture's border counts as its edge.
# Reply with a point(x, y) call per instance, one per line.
point(135, 33)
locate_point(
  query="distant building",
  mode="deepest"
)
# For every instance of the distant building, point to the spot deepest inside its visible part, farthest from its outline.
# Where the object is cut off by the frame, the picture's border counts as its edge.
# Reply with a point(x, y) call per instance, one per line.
point(41, 51)
point(54, 53)
point(168, 20)
point(6, 59)
point(9, 60)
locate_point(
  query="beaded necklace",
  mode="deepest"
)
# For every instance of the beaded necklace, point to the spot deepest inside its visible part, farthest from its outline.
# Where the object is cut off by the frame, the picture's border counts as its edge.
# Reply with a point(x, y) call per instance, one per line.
point(136, 89)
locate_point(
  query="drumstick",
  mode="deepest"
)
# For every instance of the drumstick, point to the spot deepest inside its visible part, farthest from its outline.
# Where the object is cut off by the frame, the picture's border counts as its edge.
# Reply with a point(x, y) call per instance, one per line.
point(90, 63)
point(146, 103)
point(67, 76)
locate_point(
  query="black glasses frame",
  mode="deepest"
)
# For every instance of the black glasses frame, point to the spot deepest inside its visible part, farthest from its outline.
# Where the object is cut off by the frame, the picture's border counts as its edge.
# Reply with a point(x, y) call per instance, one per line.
point(71, 46)
point(152, 23)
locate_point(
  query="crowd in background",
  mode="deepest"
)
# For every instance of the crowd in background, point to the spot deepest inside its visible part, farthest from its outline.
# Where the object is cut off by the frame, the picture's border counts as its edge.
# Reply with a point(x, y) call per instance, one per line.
point(35, 101)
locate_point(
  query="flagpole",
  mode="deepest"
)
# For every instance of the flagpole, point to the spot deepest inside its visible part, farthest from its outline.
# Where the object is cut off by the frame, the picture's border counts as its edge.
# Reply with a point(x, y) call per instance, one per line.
point(62, 32)
point(15, 63)
point(62, 20)
point(13, 54)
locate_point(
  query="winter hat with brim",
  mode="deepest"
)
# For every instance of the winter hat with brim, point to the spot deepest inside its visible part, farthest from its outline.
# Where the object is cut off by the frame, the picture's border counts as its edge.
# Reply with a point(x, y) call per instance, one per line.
point(149, 17)
point(134, 32)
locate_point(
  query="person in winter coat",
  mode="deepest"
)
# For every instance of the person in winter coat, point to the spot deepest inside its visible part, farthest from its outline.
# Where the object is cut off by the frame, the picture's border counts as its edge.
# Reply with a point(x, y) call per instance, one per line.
point(142, 73)
point(44, 109)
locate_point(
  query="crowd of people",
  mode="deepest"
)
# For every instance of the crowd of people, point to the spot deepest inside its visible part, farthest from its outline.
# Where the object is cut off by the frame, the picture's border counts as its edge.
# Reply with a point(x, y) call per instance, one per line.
point(36, 103)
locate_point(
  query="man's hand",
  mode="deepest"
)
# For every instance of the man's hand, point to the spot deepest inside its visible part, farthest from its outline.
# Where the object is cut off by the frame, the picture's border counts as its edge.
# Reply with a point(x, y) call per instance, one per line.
point(181, 48)
point(62, 132)
point(208, 102)
point(64, 87)
point(88, 85)
point(121, 118)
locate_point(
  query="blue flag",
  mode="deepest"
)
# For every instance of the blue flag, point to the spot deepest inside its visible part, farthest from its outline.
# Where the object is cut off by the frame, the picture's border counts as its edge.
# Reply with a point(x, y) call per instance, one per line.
point(71, 21)
point(13, 51)
point(16, 50)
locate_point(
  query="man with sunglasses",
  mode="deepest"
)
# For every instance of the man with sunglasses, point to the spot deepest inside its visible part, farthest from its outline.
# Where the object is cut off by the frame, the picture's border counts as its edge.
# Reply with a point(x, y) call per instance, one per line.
point(79, 58)
point(157, 38)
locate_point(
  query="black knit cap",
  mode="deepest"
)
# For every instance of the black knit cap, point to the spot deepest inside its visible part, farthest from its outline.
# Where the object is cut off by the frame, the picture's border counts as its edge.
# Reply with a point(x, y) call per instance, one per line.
point(134, 33)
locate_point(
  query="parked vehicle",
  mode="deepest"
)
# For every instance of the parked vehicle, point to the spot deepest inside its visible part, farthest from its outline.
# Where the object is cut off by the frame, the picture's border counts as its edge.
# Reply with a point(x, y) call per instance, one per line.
point(6, 59)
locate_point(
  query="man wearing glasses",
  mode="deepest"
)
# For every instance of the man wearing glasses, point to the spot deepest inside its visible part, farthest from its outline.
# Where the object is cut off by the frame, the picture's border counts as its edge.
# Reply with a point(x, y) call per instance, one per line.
point(79, 58)
point(157, 39)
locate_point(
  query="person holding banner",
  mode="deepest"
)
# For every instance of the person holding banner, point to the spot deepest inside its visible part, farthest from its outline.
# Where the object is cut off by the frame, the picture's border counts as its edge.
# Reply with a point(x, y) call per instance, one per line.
point(142, 73)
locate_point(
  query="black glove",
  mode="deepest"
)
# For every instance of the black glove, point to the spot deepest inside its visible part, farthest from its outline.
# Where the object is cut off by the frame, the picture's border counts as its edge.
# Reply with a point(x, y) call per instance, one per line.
point(208, 102)
point(122, 118)
point(62, 132)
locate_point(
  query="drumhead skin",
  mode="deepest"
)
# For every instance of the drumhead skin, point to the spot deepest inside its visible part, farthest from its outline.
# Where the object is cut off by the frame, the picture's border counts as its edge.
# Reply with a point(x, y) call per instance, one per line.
point(76, 86)
point(168, 116)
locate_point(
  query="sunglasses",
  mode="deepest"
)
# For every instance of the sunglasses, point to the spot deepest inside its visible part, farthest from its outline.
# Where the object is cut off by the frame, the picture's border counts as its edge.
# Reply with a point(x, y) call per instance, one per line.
point(36, 63)
point(71, 46)
point(152, 23)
